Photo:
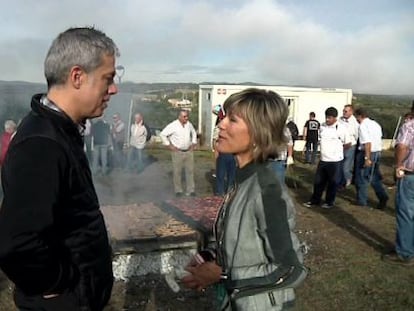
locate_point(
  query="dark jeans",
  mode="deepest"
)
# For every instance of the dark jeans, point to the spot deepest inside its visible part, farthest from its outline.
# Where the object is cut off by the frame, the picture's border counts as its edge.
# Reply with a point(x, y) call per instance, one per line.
point(225, 171)
point(326, 177)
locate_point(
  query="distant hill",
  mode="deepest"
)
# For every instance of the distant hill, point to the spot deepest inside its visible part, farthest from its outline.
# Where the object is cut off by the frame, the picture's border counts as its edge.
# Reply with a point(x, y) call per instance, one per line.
point(386, 109)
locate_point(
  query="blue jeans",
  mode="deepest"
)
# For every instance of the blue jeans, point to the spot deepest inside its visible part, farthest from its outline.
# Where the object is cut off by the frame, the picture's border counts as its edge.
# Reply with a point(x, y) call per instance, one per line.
point(364, 176)
point(310, 153)
point(225, 172)
point(135, 161)
point(326, 177)
point(118, 154)
point(279, 167)
point(404, 202)
point(348, 164)
point(100, 158)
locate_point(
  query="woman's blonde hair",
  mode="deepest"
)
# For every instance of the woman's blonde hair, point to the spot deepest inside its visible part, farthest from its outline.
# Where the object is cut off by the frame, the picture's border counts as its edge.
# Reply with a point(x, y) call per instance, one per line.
point(265, 114)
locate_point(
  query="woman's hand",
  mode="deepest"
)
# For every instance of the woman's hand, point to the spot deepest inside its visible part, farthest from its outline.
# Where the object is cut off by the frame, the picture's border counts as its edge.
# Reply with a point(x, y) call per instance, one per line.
point(202, 275)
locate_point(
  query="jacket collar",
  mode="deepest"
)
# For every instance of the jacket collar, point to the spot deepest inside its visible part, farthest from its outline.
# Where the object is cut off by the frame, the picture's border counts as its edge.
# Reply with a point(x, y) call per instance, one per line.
point(246, 171)
point(59, 118)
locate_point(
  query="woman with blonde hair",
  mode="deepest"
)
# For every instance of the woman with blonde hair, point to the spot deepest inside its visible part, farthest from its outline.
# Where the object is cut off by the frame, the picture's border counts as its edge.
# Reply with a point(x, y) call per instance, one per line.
point(256, 260)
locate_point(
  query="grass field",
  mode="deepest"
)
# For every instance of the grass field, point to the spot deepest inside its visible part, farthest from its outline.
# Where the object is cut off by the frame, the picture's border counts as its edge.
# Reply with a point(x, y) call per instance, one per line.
point(345, 248)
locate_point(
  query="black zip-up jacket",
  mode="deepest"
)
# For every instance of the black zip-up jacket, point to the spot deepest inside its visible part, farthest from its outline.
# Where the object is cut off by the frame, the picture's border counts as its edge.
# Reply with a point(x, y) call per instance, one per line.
point(52, 233)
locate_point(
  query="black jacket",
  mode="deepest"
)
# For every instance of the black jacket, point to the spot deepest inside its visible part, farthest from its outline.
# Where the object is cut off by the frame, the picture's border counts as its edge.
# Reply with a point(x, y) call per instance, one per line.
point(52, 234)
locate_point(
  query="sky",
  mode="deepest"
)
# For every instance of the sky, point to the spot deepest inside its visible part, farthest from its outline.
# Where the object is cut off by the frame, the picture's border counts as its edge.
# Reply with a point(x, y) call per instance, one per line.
point(367, 46)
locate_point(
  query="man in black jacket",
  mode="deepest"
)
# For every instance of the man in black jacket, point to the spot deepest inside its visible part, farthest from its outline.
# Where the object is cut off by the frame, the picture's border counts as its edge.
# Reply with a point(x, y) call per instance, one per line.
point(54, 243)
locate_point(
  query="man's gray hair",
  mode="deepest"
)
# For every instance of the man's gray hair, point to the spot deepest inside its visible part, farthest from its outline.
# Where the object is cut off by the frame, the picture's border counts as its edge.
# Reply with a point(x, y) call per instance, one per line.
point(9, 124)
point(82, 47)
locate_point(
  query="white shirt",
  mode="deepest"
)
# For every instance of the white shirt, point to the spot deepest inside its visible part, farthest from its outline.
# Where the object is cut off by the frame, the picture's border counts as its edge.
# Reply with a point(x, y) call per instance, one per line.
point(332, 138)
point(118, 129)
point(370, 132)
point(179, 135)
point(352, 127)
point(88, 125)
point(284, 152)
point(138, 135)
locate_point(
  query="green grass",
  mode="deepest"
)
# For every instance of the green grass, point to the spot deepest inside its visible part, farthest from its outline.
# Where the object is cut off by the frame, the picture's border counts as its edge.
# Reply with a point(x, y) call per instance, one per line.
point(346, 245)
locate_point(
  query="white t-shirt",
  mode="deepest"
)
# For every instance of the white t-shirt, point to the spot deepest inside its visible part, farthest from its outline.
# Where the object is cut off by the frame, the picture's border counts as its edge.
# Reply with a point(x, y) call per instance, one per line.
point(352, 126)
point(138, 136)
point(332, 138)
point(370, 132)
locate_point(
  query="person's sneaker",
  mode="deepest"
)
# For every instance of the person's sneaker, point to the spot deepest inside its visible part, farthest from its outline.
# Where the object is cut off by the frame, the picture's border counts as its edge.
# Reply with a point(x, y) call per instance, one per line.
point(308, 204)
point(178, 194)
point(395, 259)
point(192, 194)
point(326, 205)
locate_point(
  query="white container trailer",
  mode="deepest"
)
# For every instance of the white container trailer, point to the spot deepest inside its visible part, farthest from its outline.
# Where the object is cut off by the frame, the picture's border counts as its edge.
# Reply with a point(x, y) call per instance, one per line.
point(301, 101)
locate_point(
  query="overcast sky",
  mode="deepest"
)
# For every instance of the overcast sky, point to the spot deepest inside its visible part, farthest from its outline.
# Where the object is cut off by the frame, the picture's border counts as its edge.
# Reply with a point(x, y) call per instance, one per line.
point(364, 45)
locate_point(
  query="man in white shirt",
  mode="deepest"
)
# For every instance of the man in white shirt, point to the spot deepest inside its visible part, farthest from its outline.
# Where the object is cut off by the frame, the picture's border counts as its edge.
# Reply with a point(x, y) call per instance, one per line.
point(181, 138)
point(368, 160)
point(352, 126)
point(333, 138)
point(137, 141)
